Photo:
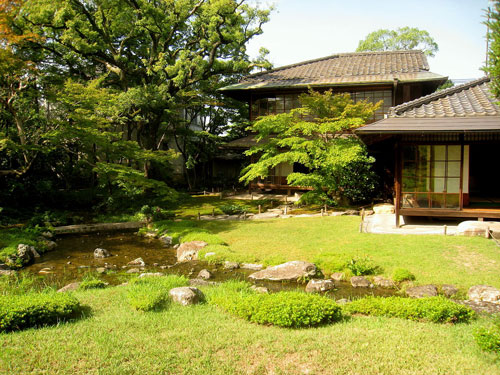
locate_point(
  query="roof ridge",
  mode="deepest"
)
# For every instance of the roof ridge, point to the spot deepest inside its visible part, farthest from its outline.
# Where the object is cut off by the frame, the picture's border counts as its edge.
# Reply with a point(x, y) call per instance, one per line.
point(394, 111)
point(335, 55)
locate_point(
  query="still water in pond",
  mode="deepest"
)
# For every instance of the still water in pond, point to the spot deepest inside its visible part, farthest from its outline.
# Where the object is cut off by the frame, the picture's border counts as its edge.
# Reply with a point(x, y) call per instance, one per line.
point(74, 257)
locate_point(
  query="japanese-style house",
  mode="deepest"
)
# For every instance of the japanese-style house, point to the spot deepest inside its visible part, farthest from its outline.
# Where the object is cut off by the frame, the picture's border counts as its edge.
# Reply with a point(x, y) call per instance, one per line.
point(393, 77)
point(446, 147)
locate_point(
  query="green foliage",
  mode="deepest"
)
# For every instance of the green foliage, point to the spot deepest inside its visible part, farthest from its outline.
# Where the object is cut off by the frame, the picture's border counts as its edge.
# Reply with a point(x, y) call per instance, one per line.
point(493, 65)
point(403, 38)
point(402, 274)
point(314, 136)
point(155, 213)
point(232, 209)
point(92, 283)
point(151, 293)
point(284, 309)
point(431, 309)
point(361, 266)
point(35, 309)
point(488, 338)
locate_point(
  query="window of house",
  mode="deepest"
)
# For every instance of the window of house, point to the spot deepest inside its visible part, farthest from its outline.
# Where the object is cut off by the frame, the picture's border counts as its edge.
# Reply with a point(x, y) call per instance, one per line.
point(276, 104)
point(431, 176)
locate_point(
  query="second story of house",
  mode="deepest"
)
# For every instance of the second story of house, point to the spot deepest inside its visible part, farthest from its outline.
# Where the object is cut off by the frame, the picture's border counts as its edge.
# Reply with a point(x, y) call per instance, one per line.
point(393, 77)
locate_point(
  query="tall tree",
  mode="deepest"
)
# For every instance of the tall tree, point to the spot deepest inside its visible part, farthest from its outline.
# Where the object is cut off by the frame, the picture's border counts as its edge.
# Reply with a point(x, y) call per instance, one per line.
point(317, 136)
point(141, 58)
point(403, 38)
point(493, 64)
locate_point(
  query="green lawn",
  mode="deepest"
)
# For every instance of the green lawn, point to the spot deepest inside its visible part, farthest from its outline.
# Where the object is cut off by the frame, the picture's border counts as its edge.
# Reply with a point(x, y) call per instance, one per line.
point(330, 241)
point(115, 339)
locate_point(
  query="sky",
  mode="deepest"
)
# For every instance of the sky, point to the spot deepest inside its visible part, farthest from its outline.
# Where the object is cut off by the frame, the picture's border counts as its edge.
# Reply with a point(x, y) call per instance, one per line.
point(301, 30)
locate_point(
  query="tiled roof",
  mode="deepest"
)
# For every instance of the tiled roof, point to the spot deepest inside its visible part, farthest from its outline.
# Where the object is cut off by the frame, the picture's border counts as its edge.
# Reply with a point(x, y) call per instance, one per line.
point(470, 99)
point(464, 108)
point(343, 69)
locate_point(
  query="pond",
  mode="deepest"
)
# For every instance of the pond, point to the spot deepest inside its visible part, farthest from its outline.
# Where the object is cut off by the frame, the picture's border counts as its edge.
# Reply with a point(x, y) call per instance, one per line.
point(74, 257)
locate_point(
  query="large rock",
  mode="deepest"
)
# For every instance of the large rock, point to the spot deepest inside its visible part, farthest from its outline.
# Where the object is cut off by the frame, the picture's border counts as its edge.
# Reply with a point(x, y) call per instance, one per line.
point(101, 253)
point(383, 208)
point(449, 290)
point(186, 295)
point(290, 271)
point(201, 282)
point(422, 291)
point(26, 253)
point(69, 288)
point(189, 250)
point(486, 293)
point(360, 282)
point(166, 240)
point(471, 228)
point(137, 262)
point(231, 265)
point(50, 245)
point(383, 283)
point(319, 285)
point(338, 276)
point(249, 266)
point(205, 274)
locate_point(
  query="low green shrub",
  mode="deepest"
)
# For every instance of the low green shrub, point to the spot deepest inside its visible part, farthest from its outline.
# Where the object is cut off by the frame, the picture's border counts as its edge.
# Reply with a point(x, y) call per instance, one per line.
point(402, 274)
point(233, 209)
point(431, 309)
point(151, 293)
point(92, 284)
point(488, 338)
point(284, 309)
point(36, 309)
point(362, 266)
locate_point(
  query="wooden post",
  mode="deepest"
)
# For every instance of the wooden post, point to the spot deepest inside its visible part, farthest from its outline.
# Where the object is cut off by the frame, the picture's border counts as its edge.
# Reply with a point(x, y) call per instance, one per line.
point(362, 214)
point(487, 234)
point(361, 227)
point(199, 215)
point(204, 192)
point(260, 209)
point(251, 196)
point(445, 230)
point(213, 212)
point(325, 208)
point(286, 198)
point(272, 202)
point(321, 212)
point(397, 183)
point(220, 195)
point(286, 210)
point(244, 215)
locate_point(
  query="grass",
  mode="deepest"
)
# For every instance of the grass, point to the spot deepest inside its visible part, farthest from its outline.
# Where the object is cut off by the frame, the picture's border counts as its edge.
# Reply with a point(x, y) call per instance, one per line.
point(331, 241)
point(11, 237)
point(115, 339)
point(189, 206)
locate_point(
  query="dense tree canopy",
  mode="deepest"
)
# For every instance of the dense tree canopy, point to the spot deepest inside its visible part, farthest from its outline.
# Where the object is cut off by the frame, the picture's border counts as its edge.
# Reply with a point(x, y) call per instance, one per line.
point(403, 38)
point(317, 136)
point(493, 65)
point(103, 90)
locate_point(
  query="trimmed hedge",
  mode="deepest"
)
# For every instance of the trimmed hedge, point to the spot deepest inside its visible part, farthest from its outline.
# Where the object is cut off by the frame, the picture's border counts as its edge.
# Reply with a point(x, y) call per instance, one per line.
point(431, 309)
point(402, 274)
point(92, 284)
point(284, 309)
point(36, 309)
point(151, 293)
